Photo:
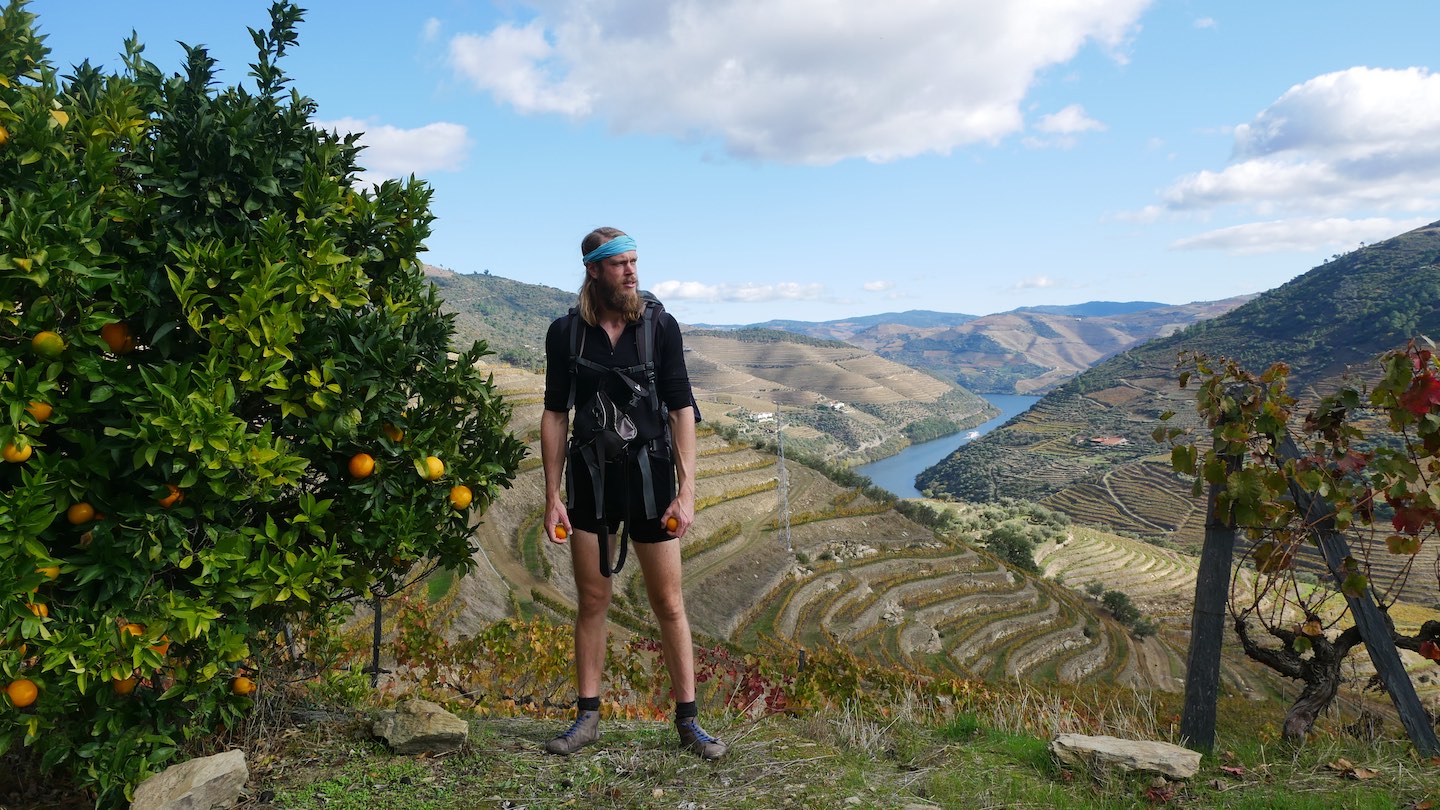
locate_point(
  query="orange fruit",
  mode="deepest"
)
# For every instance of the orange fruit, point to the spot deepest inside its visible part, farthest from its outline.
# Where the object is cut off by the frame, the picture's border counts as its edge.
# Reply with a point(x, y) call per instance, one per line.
point(125, 686)
point(132, 629)
point(392, 433)
point(163, 647)
point(39, 609)
point(560, 533)
point(22, 692)
point(4, 135)
point(242, 685)
point(40, 411)
point(460, 496)
point(15, 454)
point(671, 524)
point(79, 513)
point(175, 496)
point(117, 336)
point(361, 465)
point(47, 344)
point(434, 468)
point(50, 571)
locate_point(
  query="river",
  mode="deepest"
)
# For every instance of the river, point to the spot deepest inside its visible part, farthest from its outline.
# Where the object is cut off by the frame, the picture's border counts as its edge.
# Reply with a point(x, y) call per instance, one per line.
point(897, 473)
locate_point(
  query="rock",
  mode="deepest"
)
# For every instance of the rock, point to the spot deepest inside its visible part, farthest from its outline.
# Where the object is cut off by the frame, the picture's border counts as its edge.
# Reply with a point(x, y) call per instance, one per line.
point(419, 727)
point(197, 784)
point(1129, 755)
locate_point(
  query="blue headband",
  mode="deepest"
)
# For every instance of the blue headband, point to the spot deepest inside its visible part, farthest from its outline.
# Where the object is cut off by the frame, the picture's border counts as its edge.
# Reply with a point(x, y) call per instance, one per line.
point(619, 244)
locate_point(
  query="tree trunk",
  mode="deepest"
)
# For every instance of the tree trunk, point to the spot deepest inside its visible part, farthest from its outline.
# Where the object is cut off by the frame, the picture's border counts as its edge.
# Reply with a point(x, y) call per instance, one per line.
point(1320, 672)
point(1321, 686)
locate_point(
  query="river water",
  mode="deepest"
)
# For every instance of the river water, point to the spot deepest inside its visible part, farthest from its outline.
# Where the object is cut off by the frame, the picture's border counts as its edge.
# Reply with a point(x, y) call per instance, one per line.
point(897, 473)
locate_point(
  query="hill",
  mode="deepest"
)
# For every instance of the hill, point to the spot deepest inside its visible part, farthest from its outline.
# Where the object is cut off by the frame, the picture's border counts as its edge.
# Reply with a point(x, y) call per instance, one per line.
point(1034, 349)
point(1085, 448)
point(1029, 350)
point(844, 404)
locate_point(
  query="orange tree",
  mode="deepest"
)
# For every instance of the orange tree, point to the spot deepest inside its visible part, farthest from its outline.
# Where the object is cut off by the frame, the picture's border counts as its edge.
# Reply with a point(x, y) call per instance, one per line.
point(201, 322)
point(1365, 462)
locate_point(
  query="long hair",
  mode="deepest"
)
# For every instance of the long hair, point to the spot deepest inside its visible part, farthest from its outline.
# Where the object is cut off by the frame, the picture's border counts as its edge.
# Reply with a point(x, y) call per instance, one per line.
point(591, 301)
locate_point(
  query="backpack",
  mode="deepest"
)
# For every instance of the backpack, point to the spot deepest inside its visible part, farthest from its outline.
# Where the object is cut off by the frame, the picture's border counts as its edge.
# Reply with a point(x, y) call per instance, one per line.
point(605, 431)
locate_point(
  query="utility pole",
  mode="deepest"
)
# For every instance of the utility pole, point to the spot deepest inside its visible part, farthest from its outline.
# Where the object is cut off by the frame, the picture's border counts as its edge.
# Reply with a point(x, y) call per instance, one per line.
point(784, 481)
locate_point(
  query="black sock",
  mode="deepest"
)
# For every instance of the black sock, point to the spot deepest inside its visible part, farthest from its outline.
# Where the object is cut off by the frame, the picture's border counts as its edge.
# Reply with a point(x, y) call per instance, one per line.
point(590, 704)
point(686, 709)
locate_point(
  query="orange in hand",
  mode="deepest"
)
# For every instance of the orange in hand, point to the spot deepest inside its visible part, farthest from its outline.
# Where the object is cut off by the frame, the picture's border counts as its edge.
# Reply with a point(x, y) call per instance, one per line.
point(672, 524)
point(560, 533)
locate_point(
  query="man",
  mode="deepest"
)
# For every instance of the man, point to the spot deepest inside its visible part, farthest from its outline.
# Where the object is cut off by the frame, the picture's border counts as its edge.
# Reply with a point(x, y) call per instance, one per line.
point(631, 485)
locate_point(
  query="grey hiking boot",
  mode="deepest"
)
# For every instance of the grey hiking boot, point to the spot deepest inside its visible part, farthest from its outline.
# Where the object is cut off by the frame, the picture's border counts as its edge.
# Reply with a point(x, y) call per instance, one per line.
point(693, 738)
point(585, 730)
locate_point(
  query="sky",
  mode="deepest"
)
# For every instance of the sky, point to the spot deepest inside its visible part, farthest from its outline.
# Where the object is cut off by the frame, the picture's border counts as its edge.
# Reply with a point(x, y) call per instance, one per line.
point(824, 159)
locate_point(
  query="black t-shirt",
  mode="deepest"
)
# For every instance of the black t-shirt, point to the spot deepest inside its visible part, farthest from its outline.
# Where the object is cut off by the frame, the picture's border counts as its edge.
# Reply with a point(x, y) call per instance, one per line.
point(672, 382)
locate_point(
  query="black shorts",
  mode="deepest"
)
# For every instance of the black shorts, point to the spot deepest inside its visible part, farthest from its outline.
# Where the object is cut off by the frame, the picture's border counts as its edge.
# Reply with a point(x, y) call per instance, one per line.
point(624, 497)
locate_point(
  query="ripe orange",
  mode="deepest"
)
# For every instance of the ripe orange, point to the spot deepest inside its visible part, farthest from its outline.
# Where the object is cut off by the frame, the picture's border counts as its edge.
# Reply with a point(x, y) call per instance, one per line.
point(39, 609)
point(4, 135)
point(50, 571)
point(460, 496)
point(560, 533)
point(47, 344)
point(79, 513)
point(671, 524)
point(163, 647)
point(175, 496)
point(15, 454)
point(392, 433)
point(132, 629)
point(40, 411)
point(22, 692)
point(361, 465)
point(117, 336)
point(434, 468)
point(242, 685)
point(125, 686)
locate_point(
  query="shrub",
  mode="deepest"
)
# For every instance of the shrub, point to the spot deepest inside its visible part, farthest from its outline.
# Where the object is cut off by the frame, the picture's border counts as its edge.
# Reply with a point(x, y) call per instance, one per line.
point(201, 323)
point(1120, 607)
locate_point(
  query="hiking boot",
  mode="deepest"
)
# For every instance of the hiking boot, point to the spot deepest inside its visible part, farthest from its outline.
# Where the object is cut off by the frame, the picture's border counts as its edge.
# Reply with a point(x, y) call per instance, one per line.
point(585, 730)
point(693, 738)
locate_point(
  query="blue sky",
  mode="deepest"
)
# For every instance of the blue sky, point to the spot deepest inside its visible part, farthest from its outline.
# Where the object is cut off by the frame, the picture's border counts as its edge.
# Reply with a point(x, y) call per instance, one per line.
point(821, 159)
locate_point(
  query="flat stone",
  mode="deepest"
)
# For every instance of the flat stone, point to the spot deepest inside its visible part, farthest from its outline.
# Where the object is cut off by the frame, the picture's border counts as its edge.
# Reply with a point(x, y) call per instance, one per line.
point(198, 784)
point(421, 727)
point(1170, 761)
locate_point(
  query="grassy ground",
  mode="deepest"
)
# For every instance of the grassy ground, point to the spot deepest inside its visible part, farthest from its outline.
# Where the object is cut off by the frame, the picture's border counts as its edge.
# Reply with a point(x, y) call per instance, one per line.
point(842, 760)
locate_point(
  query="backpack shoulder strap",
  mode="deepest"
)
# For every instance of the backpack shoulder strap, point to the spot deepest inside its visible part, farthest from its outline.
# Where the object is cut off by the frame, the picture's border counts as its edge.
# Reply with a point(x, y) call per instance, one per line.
point(645, 347)
point(577, 345)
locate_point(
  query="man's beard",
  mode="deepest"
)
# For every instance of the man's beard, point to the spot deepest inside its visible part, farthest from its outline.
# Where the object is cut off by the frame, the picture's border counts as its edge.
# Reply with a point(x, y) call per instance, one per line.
point(618, 299)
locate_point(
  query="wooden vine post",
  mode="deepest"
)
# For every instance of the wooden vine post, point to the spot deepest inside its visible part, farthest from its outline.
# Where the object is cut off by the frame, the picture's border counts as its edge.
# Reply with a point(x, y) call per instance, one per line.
point(1207, 623)
point(1375, 627)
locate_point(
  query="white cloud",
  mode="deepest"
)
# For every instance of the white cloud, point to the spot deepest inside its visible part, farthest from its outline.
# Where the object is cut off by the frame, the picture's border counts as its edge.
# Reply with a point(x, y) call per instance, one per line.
point(878, 286)
point(1206, 22)
point(394, 152)
point(1034, 283)
point(748, 293)
point(1328, 163)
point(797, 81)
point(1303, 235)
point(1062, 126)
point(1358, 137)
point(432, 28)
point(1069, 121)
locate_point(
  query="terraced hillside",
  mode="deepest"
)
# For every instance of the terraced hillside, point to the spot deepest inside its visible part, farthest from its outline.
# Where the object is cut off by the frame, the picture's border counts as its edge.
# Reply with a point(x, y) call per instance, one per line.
point(1329, 321)
point(856, 573)
point(1161, 583)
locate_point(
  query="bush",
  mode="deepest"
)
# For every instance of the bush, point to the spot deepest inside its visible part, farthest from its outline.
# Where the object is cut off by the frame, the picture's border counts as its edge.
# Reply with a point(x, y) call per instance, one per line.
point(1120, 607)
point(1095, 588)
point(201, 323)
